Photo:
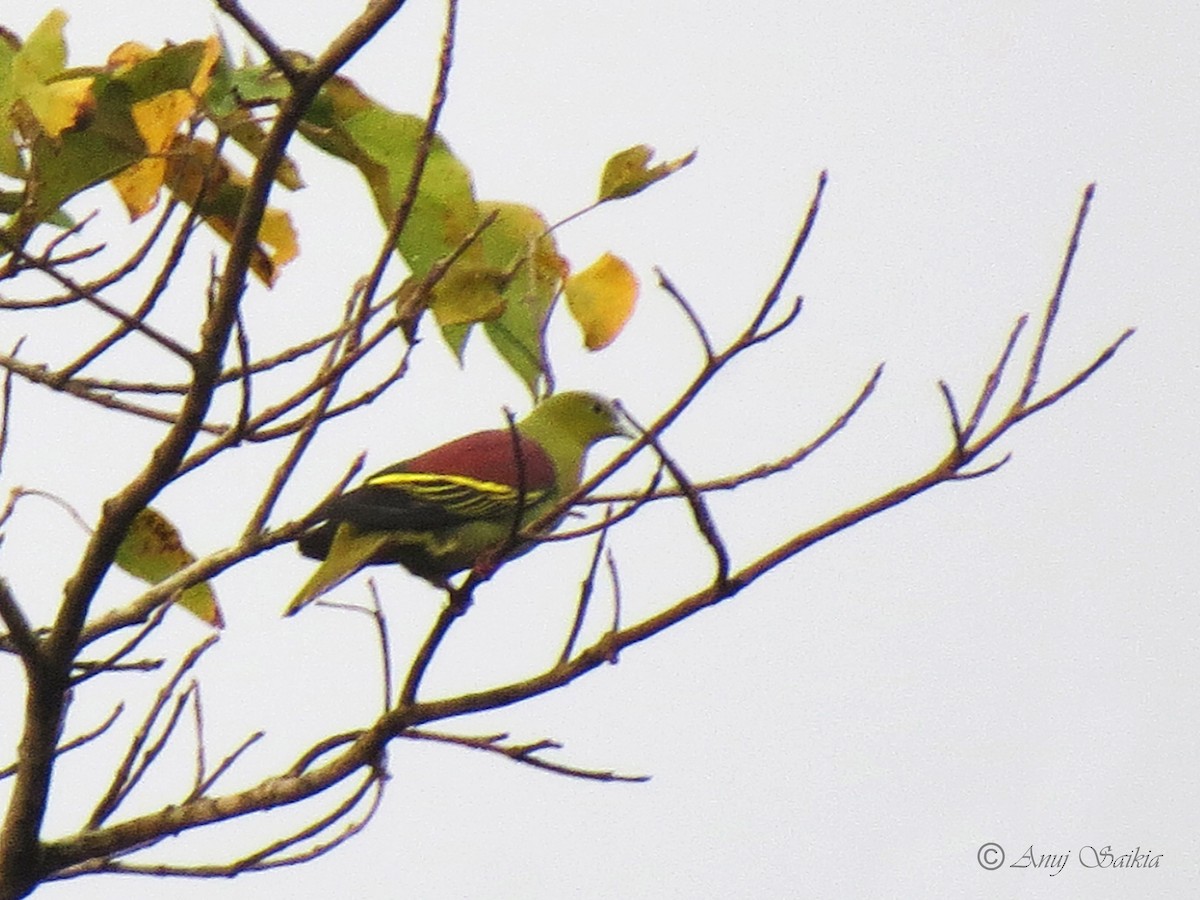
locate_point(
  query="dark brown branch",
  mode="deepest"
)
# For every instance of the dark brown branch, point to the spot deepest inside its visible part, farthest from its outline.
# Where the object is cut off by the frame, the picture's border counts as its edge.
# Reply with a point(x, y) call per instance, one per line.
point(615, 577)
point(261, 37)
point(40, 374)
point(20, 632)
point(956, 427)
point(695, 499)
point(458, 601)
point(157, 289)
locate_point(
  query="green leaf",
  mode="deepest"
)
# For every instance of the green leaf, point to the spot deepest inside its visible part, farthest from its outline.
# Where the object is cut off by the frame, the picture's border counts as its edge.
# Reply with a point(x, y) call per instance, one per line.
point(79, 158)
point(629, 172)
point(382, 145)
point(518, 243)
point(11, 163)
point(152, 551)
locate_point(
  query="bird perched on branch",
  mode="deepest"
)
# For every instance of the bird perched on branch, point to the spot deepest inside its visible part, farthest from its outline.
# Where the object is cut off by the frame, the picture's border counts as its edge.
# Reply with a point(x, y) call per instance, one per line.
point(439, 513)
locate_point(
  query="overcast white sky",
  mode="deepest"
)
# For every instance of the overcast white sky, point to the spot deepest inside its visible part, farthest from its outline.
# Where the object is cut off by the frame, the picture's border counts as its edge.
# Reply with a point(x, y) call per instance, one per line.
point(1008, 660)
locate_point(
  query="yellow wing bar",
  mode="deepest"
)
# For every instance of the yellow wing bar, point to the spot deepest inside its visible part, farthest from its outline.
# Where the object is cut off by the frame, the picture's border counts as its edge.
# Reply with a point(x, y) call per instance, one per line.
point(470, 498)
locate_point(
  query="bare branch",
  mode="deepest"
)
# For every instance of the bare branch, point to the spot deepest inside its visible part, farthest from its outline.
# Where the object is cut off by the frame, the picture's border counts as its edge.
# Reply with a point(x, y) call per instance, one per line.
point(522, 753)
point(736, 480)
point(1039, 351)
point(773, 295)
point(1080, 377)
point(126, 776)
point(993, 381)
point(956, 428)
point(585, 591)
point(615, 578)
point(81, 740)
point(261, 37)
point(6, 403)
point(700, 514)
point(20, 632)
point(130, 322)
point(697, 326)
point(225, 765)
point(110, 663)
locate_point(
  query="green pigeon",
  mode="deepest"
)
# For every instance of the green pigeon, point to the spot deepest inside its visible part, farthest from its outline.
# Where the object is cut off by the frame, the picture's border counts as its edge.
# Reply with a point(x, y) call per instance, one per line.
point(438, 513)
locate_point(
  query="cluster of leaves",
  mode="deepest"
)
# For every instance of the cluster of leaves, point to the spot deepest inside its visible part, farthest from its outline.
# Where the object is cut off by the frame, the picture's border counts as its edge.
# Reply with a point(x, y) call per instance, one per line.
point(139, 122)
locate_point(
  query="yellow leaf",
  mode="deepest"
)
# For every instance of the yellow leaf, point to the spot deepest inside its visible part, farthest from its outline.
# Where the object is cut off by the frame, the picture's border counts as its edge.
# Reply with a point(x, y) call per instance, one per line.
point(192, 165)
point(138, 185)
point(152, 551)
point(60, 104)
point(127, 55)
point(278, 233)
point(628, 172)
point(601, 299)
point(157, 119)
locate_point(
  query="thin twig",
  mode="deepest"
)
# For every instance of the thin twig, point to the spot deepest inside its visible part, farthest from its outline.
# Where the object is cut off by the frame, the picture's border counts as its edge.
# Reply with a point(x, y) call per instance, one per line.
point(129, 321)
point(225, 765)
point(124, 778)
point(1064, 272)
point(682, 302)
point(695, 499)
point(76, 742)
point(420, 157)
point(615, 578)
point(772, 296)
point(993, 381)
point(109, 663)
point(585, 591)
point(6, 402)
point(522, 753)
point(261, 37)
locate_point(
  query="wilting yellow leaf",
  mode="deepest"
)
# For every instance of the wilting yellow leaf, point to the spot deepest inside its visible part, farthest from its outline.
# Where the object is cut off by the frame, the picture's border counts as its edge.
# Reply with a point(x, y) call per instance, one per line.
point(628, 172)
point(138, 185)
point(152, 551)
point(192, 166)
point(601, 299)
point(59, 105)
point(278, 233)
point(126, 55)
point(158, 119)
